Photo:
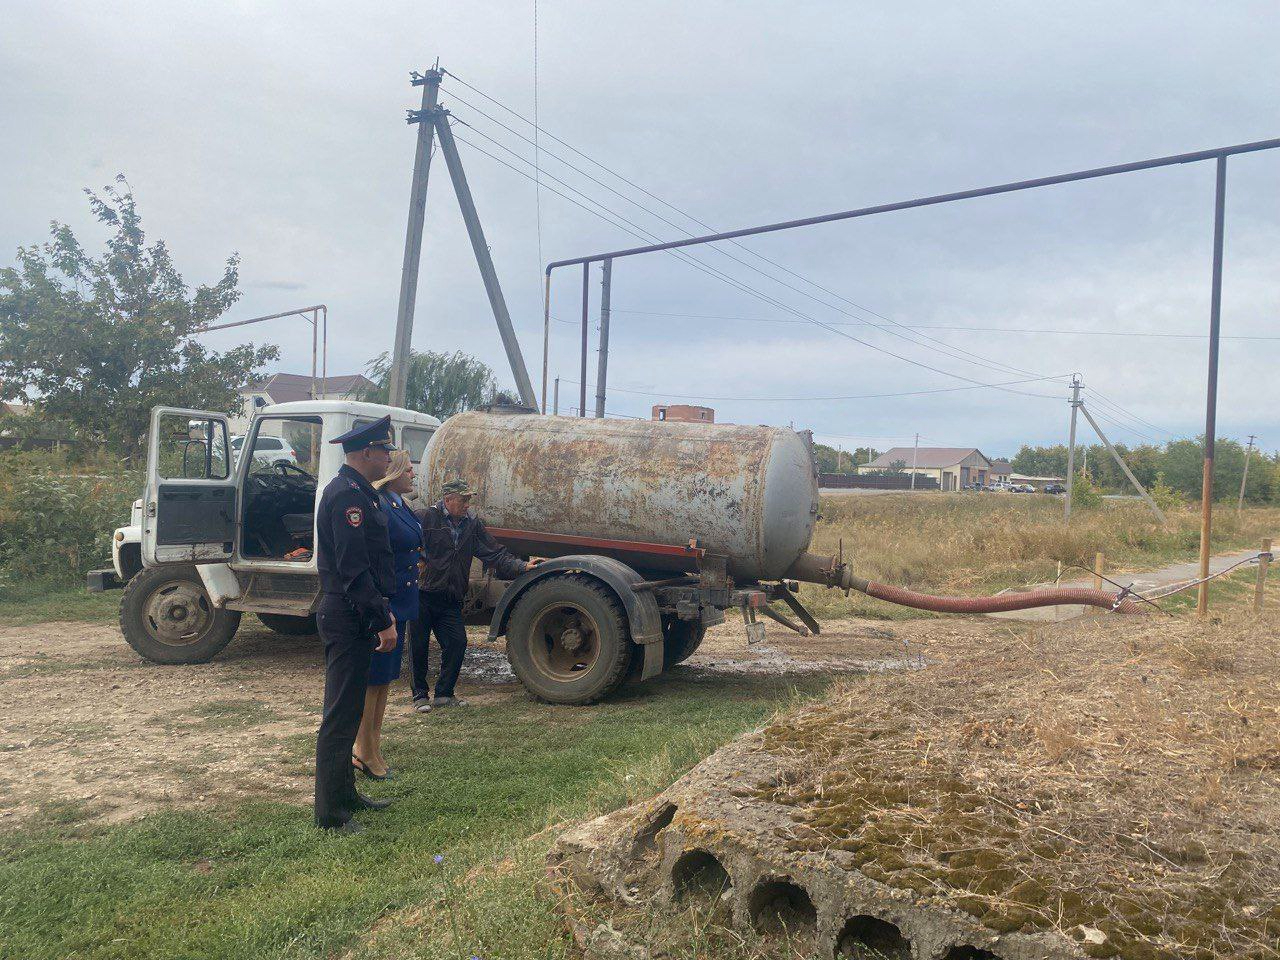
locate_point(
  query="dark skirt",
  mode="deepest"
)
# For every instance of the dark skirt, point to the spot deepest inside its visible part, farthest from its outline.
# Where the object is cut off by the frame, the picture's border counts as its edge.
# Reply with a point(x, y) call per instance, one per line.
point(385, 667)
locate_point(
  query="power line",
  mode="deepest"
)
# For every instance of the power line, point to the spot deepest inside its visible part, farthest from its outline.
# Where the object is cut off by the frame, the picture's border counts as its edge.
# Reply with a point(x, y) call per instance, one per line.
point(955, 353)
point(613, 218)
point(913, 328)
point(959, 327)
point(1120, 426)
point(1107, 402)
point(864, 396)
point(942, 347)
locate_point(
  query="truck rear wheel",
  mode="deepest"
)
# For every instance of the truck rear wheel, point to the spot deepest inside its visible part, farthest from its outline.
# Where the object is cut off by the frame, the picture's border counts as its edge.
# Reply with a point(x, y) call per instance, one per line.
point(567, 640)
point(680, 638)
point(289, 626)
point(166, 615)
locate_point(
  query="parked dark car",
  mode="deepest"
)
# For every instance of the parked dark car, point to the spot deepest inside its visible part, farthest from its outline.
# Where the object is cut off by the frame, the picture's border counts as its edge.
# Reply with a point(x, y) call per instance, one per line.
point(1054, 488)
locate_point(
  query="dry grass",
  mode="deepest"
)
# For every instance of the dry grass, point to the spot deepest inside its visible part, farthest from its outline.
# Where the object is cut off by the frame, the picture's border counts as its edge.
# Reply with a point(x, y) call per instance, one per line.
point(1113, 778)
point(980, 543)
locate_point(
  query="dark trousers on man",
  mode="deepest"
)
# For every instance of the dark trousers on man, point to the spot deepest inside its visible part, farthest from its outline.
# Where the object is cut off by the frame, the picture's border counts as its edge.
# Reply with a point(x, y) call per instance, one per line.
point(440, 614)
point(348, 645)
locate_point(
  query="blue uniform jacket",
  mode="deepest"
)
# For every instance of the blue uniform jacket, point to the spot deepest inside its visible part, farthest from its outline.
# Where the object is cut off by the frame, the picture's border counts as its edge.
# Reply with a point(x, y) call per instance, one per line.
point(406, 551)
point(353, 550)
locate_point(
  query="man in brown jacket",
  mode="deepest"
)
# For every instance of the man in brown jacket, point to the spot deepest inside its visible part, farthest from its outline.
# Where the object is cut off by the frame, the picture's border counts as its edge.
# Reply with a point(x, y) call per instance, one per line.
point(452, 535)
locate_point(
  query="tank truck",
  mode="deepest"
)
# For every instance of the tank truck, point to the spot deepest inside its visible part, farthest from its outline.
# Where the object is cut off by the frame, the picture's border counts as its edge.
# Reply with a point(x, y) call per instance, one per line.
point(653, 531)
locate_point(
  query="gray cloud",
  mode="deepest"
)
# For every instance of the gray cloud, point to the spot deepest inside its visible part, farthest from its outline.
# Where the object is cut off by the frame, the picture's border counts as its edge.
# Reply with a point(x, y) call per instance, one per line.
point(279, 133)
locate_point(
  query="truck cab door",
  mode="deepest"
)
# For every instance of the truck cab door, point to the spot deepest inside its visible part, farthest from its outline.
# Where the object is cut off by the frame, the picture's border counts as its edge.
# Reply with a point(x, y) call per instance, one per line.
point(189, 508)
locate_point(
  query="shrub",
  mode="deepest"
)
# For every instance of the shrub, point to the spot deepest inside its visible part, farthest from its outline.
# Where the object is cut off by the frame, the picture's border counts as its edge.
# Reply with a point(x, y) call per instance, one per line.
point(1084, 495)
point(56, 519)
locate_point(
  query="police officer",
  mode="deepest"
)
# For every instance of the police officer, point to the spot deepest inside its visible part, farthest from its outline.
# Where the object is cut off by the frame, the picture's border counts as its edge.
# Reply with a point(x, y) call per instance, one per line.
point(353, 555)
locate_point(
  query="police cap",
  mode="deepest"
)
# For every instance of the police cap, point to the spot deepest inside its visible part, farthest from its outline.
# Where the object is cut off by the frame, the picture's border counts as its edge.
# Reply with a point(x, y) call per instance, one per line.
point(376, 434)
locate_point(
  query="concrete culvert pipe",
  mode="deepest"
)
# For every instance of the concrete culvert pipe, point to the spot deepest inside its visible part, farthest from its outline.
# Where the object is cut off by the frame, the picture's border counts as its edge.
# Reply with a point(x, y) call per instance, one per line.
point(780, 907)
point(699, 875)
point(870, 938)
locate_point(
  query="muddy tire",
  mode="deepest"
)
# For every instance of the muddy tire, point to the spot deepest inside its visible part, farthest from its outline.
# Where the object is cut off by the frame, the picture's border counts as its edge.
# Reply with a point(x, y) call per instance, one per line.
point(166, 615)
point(568, 641)
point(680, 638)
point(289, 626)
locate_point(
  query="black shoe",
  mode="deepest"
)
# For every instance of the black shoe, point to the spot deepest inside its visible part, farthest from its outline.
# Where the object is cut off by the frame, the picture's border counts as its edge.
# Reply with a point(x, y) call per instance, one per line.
point(350, 828)
point(368, 803)
point(364, 768)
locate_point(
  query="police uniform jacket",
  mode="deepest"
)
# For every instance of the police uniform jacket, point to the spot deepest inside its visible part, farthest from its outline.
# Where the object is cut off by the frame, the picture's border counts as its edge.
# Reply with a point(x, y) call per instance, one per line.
point(353, 550)
point(451, 544)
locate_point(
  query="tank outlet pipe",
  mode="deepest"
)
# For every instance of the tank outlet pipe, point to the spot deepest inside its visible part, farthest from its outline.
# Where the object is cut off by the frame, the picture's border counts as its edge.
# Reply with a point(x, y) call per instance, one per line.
point(829, 572)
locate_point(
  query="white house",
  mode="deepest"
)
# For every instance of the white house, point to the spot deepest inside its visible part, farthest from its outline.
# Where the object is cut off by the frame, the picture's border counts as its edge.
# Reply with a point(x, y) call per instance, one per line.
point(952, 467)
point(286, 387)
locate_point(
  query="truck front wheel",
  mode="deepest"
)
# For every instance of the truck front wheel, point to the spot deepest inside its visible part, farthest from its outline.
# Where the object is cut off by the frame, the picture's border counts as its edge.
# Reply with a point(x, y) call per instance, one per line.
point(568, 641)
point(166, 615)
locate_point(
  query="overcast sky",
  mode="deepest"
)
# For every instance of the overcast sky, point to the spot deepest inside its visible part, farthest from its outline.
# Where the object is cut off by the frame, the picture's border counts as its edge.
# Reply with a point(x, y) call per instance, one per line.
point(277, 130)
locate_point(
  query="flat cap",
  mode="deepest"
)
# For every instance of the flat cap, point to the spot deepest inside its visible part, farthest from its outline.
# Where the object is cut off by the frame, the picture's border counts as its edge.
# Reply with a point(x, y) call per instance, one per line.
point(456, 485)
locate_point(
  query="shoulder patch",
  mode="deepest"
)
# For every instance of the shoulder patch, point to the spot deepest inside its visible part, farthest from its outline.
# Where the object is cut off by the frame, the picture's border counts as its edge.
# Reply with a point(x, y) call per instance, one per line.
point(355, 516)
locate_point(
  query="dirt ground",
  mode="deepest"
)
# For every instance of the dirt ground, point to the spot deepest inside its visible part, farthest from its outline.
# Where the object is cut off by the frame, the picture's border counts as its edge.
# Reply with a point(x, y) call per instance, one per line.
point(90, 728)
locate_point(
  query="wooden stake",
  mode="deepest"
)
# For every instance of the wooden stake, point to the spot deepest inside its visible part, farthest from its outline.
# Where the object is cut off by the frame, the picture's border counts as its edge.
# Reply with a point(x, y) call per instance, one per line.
point(1099, 563)
point(1260, 586)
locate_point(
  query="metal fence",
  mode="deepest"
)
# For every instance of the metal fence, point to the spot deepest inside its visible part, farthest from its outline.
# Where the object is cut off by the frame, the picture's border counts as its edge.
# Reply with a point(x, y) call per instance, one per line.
point(874, 481)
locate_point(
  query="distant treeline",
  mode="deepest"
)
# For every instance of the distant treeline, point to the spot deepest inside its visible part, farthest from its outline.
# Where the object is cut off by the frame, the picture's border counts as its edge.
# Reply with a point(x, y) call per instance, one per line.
point(1180, 464)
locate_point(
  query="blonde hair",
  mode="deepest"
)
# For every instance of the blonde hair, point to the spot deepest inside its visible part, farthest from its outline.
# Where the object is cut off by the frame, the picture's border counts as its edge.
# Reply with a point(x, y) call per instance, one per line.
point(400, 465)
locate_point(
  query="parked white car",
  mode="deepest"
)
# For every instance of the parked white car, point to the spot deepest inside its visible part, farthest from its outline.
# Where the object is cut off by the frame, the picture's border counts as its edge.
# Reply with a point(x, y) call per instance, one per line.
point(266, 450)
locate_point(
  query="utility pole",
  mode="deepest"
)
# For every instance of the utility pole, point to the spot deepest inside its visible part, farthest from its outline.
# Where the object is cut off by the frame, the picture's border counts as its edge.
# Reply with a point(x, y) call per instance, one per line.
point(433, 122)
point(1142, 491)
point(483, 259)
point(399, 376)
point(1211, 401)
point(915, 456)
point(602, 370)
point(1071, 443)
point(582, 377)
point(1248, 452)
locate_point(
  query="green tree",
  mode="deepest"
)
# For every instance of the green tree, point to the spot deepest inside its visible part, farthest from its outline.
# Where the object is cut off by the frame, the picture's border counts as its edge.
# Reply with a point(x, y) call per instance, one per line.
point(97, 342)
point(440, 384)
point(1184, 469)
point(832, 460)
point(1041, 461)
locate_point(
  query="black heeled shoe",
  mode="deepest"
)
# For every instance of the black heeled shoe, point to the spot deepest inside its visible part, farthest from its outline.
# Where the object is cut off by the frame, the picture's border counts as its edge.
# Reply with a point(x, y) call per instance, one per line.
point(364, 768)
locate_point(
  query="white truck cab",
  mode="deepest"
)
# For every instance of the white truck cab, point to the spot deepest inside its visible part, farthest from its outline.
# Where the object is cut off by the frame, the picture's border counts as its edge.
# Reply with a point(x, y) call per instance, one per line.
point(218, 533)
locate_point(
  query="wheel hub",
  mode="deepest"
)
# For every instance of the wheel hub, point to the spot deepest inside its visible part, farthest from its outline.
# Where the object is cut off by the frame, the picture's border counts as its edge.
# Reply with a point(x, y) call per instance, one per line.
point(567, 641)
point(178, 613)
point(572, 640)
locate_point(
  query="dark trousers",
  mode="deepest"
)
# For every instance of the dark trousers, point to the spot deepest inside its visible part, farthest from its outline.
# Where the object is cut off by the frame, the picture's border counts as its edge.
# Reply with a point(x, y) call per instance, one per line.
point(441, 614)
point(348, 644)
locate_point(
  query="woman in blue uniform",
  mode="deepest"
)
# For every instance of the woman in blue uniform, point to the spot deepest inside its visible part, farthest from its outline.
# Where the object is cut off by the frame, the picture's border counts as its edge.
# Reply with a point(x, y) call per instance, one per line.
point(406, 547)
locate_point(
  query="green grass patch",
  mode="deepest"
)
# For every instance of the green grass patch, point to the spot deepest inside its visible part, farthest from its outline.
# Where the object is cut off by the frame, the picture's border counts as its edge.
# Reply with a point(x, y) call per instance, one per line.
point(23, 604)
point(472, 785)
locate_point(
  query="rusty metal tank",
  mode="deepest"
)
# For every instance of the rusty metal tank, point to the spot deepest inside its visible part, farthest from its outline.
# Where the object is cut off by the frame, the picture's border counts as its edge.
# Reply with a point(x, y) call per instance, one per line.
point(748, 493)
